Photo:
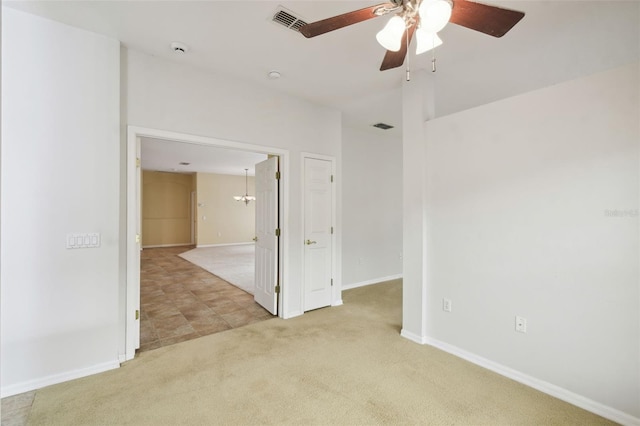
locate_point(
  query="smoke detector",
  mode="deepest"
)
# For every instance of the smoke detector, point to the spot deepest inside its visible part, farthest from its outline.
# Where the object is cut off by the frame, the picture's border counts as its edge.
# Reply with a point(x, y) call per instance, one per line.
point(179, 47)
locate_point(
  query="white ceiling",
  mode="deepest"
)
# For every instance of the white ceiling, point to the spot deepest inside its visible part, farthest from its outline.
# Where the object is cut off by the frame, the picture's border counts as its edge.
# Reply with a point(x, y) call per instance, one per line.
point(556, 41)
point(162, 155)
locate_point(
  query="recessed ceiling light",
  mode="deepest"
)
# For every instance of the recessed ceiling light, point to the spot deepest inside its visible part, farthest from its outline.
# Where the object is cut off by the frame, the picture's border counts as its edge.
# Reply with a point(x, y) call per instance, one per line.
point(274, 75)
point(179, 47)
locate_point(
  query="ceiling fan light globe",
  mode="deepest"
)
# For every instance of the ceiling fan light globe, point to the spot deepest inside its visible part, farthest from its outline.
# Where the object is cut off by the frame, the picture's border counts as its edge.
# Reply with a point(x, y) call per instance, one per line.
point(434, 14)
point(426, 41)
point(390, 37)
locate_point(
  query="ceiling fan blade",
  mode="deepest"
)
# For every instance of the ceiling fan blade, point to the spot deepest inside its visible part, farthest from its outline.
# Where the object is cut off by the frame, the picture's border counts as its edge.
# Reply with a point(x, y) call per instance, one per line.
point(334, 23)
point(490, 20)
point(396, 59)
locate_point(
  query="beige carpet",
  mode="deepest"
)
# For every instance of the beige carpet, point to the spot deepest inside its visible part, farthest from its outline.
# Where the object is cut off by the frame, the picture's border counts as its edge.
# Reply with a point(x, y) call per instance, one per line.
point(345, 365)
point(235, 263)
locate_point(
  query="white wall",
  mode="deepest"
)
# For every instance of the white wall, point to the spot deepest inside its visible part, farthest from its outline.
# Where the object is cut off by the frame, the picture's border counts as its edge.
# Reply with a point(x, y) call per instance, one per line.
point(174, 97)
point(521, 195)
point(221, 219)
point(372, 205)
point(60, 174)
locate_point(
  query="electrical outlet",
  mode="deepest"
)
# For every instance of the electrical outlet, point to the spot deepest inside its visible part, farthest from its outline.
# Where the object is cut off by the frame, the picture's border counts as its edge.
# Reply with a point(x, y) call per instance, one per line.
point(446, 305)
point(521, 324)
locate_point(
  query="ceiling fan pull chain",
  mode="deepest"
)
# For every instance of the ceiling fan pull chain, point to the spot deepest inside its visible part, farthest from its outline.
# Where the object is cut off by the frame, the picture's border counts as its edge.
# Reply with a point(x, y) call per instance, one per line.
point(433, 56)
point(408, 56)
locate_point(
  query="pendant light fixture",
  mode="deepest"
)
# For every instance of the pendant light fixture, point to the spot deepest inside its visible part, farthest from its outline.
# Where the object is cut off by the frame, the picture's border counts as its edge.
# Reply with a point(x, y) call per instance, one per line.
point(430, 15)
point(246, 197)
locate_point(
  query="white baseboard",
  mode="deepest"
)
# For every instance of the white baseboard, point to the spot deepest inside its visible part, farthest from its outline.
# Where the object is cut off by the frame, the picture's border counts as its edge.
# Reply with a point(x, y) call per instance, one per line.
point(337, 303)
point(412, 336)
point(293, 314)
point(57, 378)
point(222, 245)
point(165, 245)
point(548, 388)
point(369, 282)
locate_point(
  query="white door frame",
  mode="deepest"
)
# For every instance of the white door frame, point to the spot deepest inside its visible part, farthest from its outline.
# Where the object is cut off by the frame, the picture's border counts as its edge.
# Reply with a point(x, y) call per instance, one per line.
point(192, 216)
point(133, 266)
point(336, 289)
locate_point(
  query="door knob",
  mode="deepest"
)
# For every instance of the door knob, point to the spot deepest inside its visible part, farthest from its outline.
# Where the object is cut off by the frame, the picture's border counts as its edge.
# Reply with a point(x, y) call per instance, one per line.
point(309, 242)
point(255, 238)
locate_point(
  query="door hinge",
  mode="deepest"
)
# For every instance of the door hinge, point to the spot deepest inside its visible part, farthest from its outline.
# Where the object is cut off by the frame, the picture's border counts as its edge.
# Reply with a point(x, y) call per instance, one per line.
point(331, 282)
point(331, 178)
point(332, 230)
point(278, 175)
point(137, 314)
point(138, 238)
point(278, 289)
point(277, 232)
point(137, 162)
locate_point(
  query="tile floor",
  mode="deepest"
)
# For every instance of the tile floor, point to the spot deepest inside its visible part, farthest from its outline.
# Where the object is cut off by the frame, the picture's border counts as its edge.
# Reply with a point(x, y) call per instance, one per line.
point(179, 301)
point(15, 409)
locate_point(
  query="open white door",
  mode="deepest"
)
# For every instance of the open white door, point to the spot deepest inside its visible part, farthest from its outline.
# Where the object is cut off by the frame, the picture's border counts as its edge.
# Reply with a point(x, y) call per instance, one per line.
point(266, 262)
point(318, 245)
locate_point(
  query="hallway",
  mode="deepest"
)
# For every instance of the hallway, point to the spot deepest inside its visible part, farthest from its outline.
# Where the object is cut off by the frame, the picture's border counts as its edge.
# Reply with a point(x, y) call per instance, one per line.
point(180, 301)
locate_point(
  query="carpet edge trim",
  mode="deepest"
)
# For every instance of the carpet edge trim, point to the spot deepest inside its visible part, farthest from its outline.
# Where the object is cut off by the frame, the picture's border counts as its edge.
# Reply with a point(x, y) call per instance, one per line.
point(223, 244)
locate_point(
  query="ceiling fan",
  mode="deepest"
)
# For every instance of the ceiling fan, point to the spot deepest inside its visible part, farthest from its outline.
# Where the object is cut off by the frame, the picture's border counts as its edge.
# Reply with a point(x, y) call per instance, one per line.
point(422, 17)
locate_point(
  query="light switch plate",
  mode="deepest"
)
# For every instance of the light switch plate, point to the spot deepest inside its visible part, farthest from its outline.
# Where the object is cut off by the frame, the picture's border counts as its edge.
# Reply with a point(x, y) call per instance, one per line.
point(83, 240)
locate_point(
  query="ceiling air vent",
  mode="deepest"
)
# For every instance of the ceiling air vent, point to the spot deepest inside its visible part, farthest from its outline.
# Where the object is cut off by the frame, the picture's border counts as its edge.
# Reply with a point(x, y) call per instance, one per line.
point(288, 19)
point(383, 126)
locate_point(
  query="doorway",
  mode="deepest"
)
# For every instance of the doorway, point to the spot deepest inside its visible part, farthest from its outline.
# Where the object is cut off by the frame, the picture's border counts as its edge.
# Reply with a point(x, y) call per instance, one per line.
point(319, 219)
point(132, 315)
point(180, 301)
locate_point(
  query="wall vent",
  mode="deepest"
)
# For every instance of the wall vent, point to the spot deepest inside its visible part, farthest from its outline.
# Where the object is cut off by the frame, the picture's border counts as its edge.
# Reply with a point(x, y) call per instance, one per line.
point(383, 126)
point(288, 19)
